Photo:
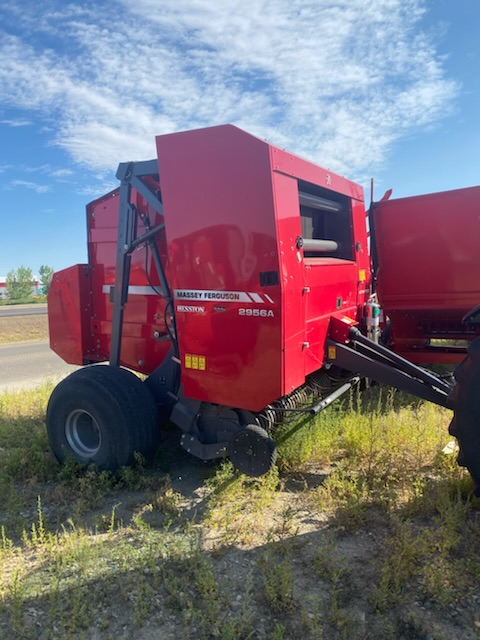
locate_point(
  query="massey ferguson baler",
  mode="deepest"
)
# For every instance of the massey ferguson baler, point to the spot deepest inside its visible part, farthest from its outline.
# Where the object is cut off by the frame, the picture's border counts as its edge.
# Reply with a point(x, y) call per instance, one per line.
point(241, 280)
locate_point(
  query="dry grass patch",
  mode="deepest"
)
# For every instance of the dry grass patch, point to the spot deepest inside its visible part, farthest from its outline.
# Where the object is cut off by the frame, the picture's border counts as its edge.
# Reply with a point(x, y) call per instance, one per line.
point(23, 328)
point(366, 529)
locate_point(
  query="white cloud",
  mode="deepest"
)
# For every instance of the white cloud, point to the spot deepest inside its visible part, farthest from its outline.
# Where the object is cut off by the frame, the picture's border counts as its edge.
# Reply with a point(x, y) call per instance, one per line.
point(61, 173)
point(38, 188)
point(15, 122)
point(337, 82)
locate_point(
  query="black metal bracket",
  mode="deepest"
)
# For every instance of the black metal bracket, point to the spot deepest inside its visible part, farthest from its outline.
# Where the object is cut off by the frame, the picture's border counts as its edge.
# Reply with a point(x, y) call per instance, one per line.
point(371, 360)
point(193, 445)
point(472, 317)
point(130, 175)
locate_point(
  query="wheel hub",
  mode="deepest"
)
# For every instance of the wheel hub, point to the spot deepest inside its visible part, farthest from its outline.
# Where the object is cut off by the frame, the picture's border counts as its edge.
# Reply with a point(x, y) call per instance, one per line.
point(82, 433)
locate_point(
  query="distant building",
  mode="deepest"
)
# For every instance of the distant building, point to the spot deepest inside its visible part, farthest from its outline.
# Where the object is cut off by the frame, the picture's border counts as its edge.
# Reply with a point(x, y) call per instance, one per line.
point(36, 288)
point(3, 288)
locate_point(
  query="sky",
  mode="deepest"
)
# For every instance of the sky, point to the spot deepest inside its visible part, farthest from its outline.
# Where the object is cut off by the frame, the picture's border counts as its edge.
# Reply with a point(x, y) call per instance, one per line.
point(387, 89)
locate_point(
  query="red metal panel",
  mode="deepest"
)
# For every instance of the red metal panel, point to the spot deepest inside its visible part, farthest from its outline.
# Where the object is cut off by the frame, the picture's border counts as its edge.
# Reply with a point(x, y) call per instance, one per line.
point(69, 314)
point(332, 287)
point(292, 279)
point(428, 258)
point(362, 254)
point(232, 212)
point(144, 310)
point(316, 288)
point(217, 193)
point(290, 164)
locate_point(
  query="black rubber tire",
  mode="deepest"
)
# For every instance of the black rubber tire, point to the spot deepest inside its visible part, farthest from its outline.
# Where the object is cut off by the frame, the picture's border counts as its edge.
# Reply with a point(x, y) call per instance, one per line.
point(252, 451)
point(102, 415)
point(465, 425)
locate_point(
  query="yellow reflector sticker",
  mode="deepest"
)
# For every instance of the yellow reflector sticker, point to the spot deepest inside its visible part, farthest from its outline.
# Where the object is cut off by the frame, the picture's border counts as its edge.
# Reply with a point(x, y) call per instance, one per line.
point(195, 362)
point(362, 275)
point(332, 353)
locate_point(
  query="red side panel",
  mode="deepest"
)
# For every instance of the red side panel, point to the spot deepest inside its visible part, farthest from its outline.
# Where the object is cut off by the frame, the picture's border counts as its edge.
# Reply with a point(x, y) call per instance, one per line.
point(69, 314)
point(252, 310)
point(220, 224)
point(328, 280)
point(144, 343)
point(291, 279)
point(428, 275)
point(315, 288)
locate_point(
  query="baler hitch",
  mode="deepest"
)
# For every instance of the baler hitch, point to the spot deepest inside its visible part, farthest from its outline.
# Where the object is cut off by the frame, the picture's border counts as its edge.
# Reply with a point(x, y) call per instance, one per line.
point(371, 360)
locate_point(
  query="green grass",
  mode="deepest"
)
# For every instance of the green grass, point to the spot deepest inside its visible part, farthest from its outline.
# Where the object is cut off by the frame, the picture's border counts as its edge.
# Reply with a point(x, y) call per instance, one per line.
point(29, 300)
point(364, 530)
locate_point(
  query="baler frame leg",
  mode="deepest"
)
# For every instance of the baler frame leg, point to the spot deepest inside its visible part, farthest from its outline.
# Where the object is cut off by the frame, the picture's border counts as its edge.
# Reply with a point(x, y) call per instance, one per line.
point(130, 175)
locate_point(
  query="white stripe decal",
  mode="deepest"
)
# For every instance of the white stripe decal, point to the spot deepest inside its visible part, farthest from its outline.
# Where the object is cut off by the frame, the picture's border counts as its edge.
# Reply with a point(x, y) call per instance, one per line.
point(205, 295)
point(135, 290)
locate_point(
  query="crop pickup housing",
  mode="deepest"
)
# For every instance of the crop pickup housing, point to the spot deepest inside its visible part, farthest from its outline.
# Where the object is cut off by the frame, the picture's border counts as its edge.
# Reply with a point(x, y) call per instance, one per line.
point(242, 282)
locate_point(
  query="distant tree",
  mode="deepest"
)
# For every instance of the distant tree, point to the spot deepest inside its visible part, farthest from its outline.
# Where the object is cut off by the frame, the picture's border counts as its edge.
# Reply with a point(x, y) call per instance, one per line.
point(45, 272)
point(19, 283)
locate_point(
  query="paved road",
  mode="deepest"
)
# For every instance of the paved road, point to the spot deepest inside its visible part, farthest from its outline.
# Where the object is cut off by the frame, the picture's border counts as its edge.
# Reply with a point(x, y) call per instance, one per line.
point(28, 364)
point(23, 310)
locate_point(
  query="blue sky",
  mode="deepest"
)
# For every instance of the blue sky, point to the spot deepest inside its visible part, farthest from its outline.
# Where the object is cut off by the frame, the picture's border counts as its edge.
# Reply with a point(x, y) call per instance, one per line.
point(384, 88)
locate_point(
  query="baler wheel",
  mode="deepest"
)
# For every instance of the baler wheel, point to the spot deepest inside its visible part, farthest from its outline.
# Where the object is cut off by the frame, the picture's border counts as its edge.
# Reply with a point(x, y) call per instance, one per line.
point(102, 415)
point(465, 425)
point(252, 451)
